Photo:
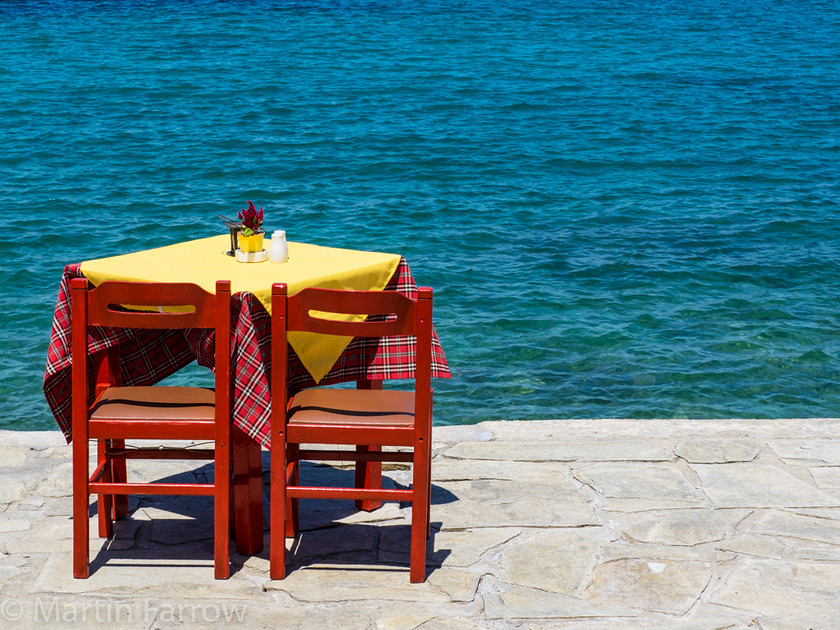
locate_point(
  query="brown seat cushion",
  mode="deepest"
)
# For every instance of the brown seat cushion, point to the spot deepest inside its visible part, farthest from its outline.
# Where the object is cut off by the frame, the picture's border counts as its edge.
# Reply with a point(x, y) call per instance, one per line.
point(155, 403)
point(353, 406)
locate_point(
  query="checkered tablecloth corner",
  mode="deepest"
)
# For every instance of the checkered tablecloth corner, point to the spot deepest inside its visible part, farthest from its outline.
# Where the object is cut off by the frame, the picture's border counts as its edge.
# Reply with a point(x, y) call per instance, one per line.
point(147, 357)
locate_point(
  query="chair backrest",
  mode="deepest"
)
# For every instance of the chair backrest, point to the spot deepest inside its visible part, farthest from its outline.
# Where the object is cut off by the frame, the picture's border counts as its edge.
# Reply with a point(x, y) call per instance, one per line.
point(309, 310)
point(102, 306)
point(146, 299)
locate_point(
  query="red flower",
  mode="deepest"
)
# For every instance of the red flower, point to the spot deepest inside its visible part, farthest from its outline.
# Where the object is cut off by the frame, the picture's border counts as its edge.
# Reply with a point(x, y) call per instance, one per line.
point(252, 219)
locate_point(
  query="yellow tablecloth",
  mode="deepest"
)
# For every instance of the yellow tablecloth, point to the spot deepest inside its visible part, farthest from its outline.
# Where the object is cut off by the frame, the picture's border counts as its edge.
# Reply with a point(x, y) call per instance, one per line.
point(204, 261)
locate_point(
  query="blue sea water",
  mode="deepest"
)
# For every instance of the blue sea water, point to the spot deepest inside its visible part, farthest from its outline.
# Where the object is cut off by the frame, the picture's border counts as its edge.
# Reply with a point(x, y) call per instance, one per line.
point(627, 208)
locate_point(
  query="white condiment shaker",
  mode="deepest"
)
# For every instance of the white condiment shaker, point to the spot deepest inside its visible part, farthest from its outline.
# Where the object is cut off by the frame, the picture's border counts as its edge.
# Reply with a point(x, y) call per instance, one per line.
point(278, 251)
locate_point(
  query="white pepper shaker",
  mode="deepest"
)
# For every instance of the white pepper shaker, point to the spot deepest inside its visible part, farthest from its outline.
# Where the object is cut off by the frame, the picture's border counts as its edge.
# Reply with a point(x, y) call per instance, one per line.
point(278, 251)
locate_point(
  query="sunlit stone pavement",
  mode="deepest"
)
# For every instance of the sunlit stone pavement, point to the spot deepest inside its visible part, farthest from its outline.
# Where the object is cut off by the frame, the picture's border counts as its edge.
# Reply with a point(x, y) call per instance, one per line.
point(558, 524)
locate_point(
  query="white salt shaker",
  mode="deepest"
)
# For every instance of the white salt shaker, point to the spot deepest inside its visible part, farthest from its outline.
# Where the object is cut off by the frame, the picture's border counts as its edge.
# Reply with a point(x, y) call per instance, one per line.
point(278, 251)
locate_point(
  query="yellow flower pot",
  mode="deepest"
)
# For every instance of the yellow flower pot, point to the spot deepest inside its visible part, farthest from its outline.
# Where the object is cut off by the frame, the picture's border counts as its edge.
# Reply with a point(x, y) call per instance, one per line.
point(253, 243)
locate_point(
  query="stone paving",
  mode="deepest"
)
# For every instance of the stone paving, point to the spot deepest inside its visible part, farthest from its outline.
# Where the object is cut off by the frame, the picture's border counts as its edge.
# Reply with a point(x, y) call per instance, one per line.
point(578, 524)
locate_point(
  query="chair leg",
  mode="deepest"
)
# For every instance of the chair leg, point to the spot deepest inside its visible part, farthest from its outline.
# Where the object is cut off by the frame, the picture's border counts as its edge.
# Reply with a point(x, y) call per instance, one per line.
point(420, 510)
point(221, 509)
point(368, 475)
point(429, 470)
point(81, 475)
point(247, 494)
point(278, 526)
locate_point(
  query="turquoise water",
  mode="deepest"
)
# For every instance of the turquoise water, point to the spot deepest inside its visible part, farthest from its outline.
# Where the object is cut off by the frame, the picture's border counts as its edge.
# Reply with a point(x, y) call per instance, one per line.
point(626, 208)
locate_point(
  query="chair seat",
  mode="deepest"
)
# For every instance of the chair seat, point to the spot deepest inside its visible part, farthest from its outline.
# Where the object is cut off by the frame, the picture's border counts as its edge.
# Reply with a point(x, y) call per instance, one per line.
point(155, 404)
point(352, 407)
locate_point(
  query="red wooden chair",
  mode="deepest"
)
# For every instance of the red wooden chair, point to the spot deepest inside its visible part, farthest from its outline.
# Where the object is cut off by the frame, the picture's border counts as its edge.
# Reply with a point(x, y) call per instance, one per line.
point(373, 417)
point(157, 412)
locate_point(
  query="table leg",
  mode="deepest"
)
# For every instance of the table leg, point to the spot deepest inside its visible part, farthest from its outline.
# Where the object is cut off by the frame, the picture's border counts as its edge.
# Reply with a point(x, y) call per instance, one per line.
point(368, 474)
point(106, 367)
point(104, 501)
point(247, 494)
point(120, 474)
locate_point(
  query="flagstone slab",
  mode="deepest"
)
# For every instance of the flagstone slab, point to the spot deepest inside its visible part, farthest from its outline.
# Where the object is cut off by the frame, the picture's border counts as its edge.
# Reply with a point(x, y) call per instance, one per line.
point(556, 560)
point(270, 615)
point(624, 549)
point(405, 618)
point(804, 593)
point(513, 504)
point(829, 512)
point(12, 456)
point(827, 478)
point(148, 573)
point(336, 583)
point(454, 433)
point(438, 623)
point(12, 524)
point(758, 485)
point(661, 585)
point(661, 482)
point(635, 506)
point(459, 584)
point(682, 527)
point(52, 533)
point(36, 441)
point(715, 618)
point(603, 450)
point(702, 616)
point(33, 472)
point(512, 602)
point(820, 554)
point(10, 567)
point(753, 545)
point(446, 469)
point(791, 525)
point(58, 483)
point(61, 507)
point(32, 503)
point(774, 624)
point(391, 615)
point(717, 451)
point(448, 548)
point(617, 428)
point(826, 452)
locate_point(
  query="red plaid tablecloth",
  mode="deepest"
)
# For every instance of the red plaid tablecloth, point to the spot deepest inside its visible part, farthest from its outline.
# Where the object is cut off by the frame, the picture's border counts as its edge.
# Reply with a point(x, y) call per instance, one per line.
point(148, 356)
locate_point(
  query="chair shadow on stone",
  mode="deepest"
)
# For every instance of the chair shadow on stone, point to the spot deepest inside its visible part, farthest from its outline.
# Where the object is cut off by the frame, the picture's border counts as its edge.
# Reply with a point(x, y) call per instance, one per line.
point(336, 533)
point(162, 530)
point(332, 532)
